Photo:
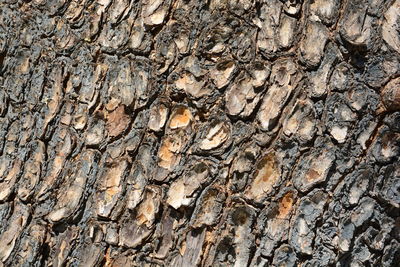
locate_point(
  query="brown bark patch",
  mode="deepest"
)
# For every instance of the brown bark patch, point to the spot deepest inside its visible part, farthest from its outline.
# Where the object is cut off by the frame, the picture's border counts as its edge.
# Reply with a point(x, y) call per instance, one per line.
point(117, 121)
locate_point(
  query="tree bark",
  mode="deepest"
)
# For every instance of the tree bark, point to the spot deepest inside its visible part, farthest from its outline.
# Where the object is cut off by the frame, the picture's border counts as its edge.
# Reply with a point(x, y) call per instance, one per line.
point(199, 133)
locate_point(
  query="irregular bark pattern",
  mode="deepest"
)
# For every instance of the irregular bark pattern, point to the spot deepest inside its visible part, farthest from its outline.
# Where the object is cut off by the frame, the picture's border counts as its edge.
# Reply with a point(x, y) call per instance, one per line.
point(199, 133)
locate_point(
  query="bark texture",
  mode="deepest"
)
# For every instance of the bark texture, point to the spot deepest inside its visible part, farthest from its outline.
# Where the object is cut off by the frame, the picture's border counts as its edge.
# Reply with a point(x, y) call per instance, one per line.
point(199, 133)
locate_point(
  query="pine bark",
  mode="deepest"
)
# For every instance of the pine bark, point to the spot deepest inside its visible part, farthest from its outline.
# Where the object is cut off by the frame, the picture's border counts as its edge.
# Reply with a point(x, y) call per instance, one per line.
point(199, 133)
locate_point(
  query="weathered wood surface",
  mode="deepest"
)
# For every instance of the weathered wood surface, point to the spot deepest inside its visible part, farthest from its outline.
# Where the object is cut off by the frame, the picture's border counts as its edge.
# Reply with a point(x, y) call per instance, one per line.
point(199, 133)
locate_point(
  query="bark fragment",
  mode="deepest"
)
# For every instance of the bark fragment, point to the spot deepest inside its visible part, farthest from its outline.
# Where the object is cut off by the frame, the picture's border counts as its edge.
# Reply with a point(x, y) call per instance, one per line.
point(313, 168)
point(15, 227)
point(182, 191)
point(313, 43)
point(111, 187)
point(70, 199)
point(138, 226)
point(29, 252)
point(266, 176)
point(391, 95)
point(390, 26)
point(284, 79)
point(310, 209)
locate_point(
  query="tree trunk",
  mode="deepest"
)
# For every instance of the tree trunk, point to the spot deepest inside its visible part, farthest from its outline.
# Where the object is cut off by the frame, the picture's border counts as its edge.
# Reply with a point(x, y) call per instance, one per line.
point(199, 133)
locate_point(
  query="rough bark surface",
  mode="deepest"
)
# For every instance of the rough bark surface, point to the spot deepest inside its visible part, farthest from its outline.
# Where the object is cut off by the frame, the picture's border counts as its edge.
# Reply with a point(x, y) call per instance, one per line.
point(199, 133)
